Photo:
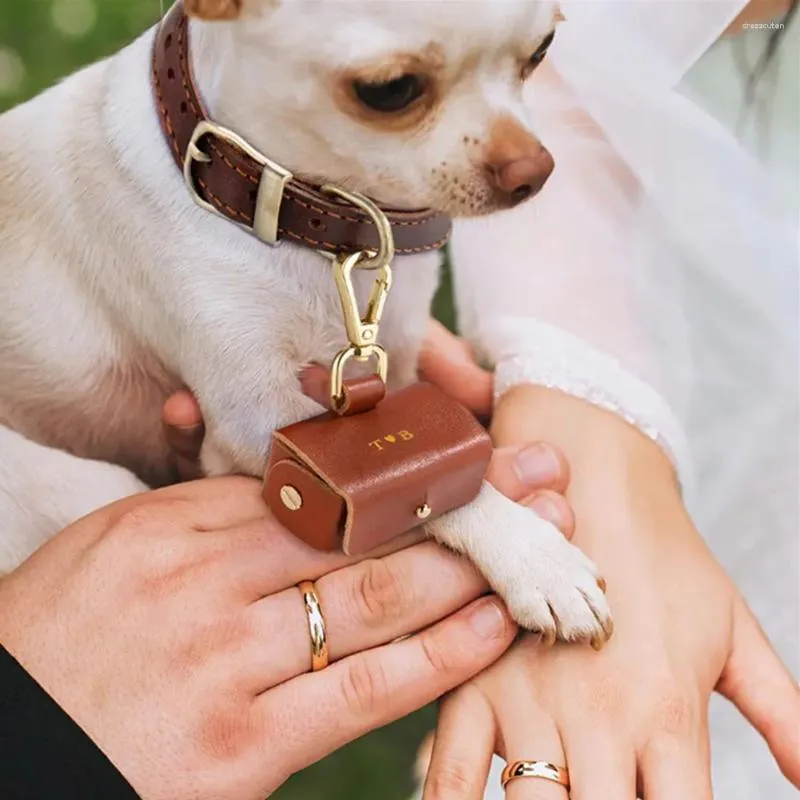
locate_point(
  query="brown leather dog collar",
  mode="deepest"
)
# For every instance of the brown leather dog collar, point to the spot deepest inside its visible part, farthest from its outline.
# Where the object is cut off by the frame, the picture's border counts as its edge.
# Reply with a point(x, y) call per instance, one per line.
point(230, 178)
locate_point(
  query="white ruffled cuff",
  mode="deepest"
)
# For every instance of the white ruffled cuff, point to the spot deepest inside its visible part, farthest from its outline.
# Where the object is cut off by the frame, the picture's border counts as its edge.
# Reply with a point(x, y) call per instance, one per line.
point(551, 357)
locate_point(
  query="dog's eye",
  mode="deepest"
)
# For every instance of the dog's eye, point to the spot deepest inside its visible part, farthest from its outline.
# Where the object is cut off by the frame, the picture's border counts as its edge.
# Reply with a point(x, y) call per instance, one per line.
point(391, 96)
point(539, 54)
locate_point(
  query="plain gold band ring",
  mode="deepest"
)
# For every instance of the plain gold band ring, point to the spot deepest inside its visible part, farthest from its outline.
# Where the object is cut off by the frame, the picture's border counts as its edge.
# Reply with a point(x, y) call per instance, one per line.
point(535, 769)
point(316, 626)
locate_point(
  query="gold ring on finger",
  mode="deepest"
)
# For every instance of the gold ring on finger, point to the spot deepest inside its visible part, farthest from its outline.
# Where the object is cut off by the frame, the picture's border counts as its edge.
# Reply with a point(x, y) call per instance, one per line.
point(316, 625)
point(535, 769)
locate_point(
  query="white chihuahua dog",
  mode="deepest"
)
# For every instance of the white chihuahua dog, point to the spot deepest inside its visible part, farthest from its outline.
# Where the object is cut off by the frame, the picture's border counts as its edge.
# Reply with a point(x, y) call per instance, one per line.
point(116, 288)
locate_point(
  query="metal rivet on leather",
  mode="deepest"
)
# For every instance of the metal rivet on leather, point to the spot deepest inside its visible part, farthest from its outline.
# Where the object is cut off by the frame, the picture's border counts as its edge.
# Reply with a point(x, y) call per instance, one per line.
point(423, 511)
point(291, 498)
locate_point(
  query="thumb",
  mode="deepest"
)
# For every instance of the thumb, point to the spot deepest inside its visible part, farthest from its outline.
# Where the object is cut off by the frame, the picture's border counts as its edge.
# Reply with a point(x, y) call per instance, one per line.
point(759, 685)
point(184, 430)
point(449, 362)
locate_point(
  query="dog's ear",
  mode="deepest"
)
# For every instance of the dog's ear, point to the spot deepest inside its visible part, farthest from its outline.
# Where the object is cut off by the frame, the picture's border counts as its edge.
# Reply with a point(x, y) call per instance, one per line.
point(213, 9)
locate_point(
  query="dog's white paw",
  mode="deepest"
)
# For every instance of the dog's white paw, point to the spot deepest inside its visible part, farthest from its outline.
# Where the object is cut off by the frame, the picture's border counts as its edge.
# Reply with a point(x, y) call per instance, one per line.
point(548, 584)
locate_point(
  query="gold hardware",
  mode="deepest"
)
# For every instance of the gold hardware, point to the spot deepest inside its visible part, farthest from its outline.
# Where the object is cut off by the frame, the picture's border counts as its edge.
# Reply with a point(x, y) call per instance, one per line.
point(424, 511)
point(291, 498)
point(361, 331)
point(270, 190)
point(360, 354)
point(385, 254)
point(316, 625)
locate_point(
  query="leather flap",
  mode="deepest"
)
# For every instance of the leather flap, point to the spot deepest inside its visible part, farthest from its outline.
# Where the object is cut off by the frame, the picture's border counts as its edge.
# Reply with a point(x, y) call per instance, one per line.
point(314, 512)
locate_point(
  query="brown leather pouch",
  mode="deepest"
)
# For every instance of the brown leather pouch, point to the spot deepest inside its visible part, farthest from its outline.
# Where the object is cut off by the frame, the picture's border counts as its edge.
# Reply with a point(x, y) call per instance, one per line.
point(355, 482)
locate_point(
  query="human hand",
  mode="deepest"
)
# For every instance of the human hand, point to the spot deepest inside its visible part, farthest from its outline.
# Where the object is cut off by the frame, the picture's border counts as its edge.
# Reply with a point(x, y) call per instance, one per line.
point(632, 718)
point(169, 627)
point(449, 362)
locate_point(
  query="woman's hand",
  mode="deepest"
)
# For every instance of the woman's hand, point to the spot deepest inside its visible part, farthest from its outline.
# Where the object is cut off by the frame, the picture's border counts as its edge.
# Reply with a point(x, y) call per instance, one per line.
point(170, 628)
point(633, 717)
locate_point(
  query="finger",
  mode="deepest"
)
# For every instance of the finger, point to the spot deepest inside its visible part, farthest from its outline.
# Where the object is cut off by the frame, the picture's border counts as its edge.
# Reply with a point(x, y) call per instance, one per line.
point(184, 431)
point(675, 766)
point(520, 471)
point(449, 362)
point(761, 687)
point(602, 764)
point(320, 712)
point(364, 605)
point(316, 382)
point(183, 423)
point(555, 509)
point(261, 558)
point(214, 504)
point(181, 410)
point(225, 523)
point(462, 749)
point(529, 733)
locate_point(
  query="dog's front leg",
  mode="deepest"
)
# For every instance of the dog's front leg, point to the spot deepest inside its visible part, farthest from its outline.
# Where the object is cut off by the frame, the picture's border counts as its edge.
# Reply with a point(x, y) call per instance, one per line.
point(546, 582)
point(42, 490)
point(243, 404)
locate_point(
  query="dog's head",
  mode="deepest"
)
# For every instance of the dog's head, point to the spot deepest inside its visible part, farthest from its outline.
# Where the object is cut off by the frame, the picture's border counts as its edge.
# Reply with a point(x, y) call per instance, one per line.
point(416, 103)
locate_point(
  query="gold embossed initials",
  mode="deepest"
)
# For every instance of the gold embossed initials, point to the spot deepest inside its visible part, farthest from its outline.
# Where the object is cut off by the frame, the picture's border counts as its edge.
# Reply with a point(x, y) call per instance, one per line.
point(391, 438)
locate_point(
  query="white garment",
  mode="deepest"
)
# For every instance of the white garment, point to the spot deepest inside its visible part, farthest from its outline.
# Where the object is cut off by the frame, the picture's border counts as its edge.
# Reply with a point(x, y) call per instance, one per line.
point(657, 274)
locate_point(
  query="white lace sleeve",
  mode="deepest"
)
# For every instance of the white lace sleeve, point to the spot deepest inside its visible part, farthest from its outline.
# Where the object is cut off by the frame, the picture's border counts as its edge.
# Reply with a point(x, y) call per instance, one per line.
point(652, 243)
point(552, 357)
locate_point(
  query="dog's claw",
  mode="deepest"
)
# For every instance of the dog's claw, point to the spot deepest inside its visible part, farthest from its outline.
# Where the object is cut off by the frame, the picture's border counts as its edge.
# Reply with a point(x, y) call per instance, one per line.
point(600, 640)
point(547, 583)
point(549, 637)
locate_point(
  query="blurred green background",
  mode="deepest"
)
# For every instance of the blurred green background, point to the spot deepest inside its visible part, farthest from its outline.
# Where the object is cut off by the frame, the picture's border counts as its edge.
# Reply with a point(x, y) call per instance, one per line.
point(41, 41)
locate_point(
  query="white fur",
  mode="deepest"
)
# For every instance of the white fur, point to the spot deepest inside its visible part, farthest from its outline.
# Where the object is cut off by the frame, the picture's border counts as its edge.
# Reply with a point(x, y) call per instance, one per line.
point(115, 289)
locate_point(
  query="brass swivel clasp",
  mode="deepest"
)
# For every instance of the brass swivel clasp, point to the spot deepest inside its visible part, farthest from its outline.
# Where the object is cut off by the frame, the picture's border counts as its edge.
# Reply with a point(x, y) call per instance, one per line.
point(362, 330)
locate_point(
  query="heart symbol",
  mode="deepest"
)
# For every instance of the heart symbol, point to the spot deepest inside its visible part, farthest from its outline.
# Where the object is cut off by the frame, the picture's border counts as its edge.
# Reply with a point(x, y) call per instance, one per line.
point(390, 438)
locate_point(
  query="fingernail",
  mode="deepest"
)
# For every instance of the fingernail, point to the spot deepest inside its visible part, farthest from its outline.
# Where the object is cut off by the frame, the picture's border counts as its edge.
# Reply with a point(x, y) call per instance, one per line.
point(537, 464)
point(546, 509)
point(488, 620)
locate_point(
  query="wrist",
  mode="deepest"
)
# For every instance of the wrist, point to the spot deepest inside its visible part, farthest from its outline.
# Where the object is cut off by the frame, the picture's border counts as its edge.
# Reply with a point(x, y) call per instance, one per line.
point(623, 489)
point(613, 465)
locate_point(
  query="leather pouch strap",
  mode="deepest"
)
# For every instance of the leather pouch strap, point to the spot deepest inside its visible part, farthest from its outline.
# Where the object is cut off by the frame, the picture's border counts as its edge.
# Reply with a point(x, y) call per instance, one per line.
point(360, 394)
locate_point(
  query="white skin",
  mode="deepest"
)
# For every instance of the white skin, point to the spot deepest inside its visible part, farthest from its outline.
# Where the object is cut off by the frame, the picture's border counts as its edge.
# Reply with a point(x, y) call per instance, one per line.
point(169, 627)
point(115, 289)
point(632, 720)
